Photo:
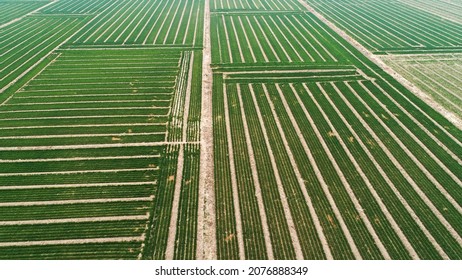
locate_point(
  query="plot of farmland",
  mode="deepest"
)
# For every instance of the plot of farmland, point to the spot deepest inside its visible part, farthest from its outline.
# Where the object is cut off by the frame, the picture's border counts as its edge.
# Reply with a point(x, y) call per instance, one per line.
point(438, 75)
point(391, 26)
point(327, 159)
point(228, 129)
point(293, 140)
point(249, 5)
point(451, 10)
point(81, 146)
point(11, 10)
point(145, 22)
point(28, 41)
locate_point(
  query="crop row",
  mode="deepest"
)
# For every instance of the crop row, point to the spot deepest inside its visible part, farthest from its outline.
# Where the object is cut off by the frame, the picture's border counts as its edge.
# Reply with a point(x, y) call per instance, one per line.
point(186, 233)
point(378, 25)
point(145, 22)
point(270, 38)
point(113, 250)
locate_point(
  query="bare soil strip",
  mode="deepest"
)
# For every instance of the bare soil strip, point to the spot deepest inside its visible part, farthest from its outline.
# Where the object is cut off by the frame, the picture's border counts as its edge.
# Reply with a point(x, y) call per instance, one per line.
point(73, 241)
point(258, 192)
point(281, 191)
point(75, 220)
point(206, 235)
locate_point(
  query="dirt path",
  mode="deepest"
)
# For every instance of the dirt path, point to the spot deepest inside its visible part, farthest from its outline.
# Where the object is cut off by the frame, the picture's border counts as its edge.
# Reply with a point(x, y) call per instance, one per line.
point(206, 235)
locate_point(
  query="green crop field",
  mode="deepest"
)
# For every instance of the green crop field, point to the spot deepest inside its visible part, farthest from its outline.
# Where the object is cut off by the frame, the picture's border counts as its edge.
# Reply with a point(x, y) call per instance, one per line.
point(438, 75)
point(229, 129)
point(10, 9)
point(392, 26)
point(451, 10)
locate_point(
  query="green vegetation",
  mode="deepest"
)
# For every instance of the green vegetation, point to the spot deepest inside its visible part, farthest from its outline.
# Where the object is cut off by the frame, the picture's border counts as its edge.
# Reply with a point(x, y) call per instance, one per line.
point(437, 75)
point(336, 144)
point(10, 9)
point(390, 25)
point(318, 153)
